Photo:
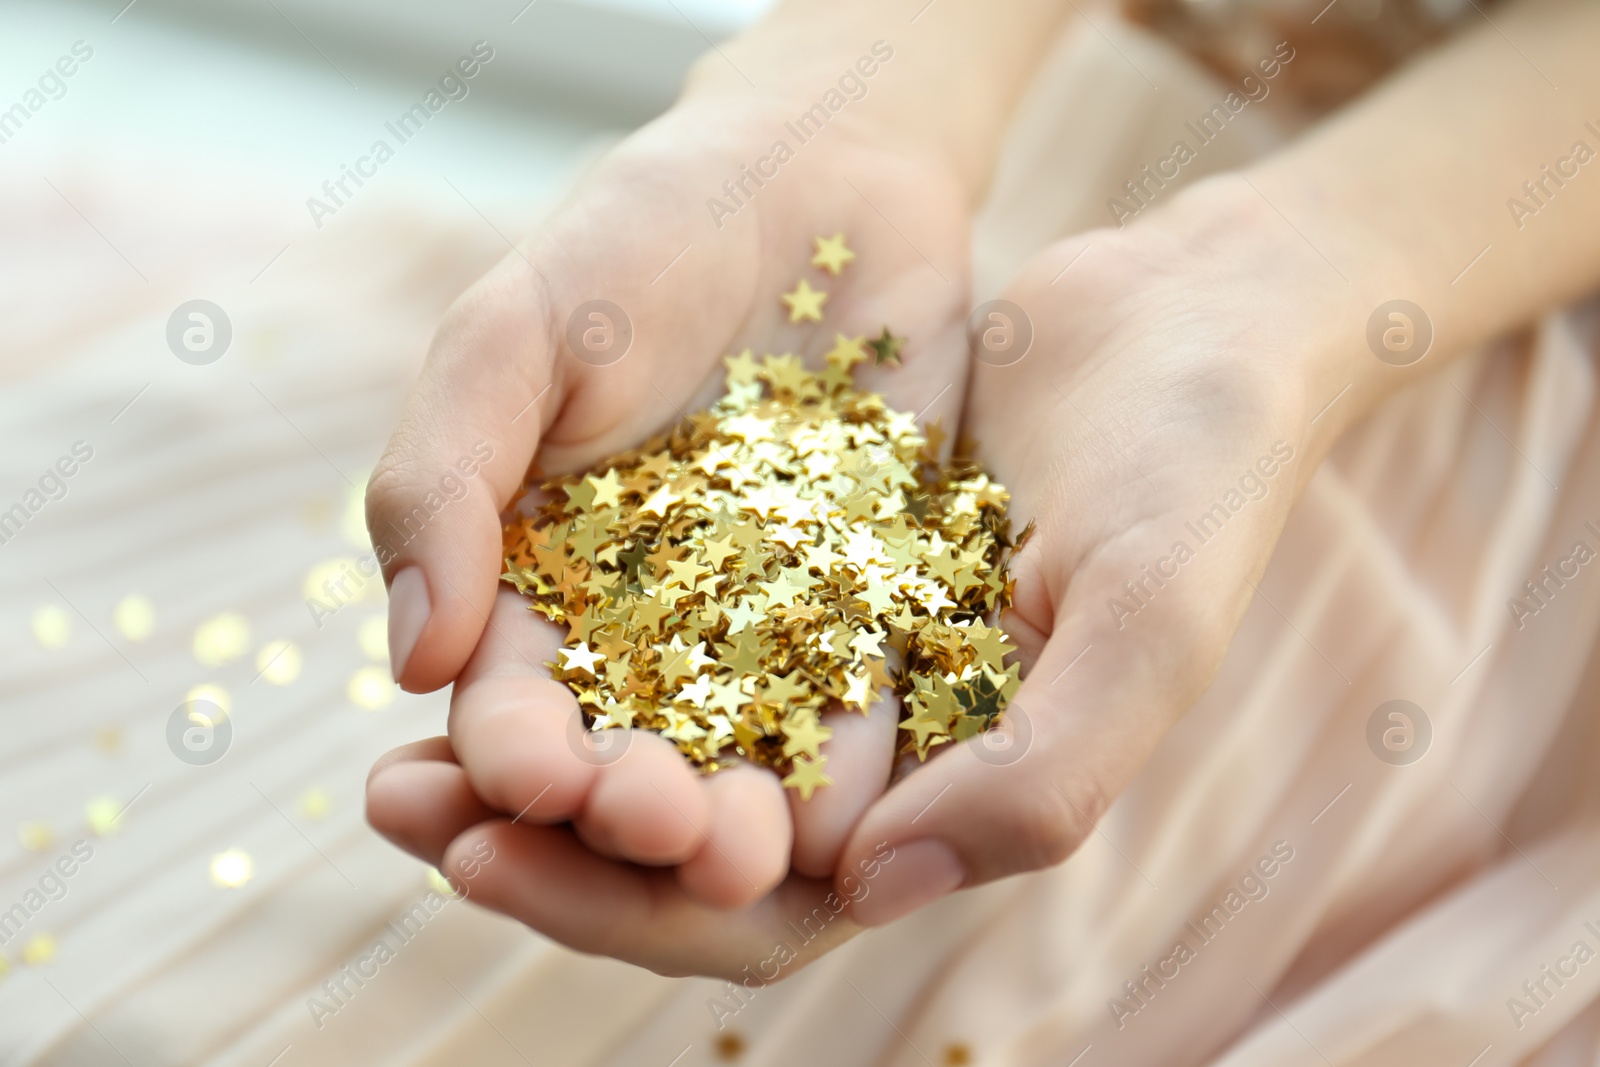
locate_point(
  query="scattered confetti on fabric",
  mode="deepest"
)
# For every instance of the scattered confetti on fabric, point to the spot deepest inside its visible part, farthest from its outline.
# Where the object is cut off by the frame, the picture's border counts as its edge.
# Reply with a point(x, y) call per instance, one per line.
point(232, 869)
point(370, 688)
point(39, 950)
point(103, 814)
point(212, 694)
point(134, 617)
point(221, 638)
point(798, 547)
point(279, 662)
point(52, 626)
point(35, 836)
point(315, 804)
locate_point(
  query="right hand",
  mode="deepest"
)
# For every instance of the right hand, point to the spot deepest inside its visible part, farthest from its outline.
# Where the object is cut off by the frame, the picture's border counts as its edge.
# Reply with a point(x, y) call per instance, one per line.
point(499, 375)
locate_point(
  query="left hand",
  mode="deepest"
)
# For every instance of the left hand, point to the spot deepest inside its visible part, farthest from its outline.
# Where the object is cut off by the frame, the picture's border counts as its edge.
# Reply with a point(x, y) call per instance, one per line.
point(1157, 432)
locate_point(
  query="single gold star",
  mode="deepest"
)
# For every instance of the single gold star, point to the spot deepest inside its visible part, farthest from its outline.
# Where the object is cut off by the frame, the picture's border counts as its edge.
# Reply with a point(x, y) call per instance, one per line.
point(805, 303)
point(807, 776)
point(886, 348)
point(607, 490)
point(832, 254)
point(846, 351)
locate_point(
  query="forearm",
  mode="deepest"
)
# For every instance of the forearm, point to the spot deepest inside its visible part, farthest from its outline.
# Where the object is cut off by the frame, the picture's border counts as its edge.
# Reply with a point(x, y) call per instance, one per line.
point(1399, 196)
point(951, 85)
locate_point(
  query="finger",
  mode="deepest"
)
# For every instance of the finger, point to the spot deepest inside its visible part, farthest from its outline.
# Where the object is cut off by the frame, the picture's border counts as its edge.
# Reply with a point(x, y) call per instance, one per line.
point(860, 754)
point(746, 849)
point(545, 877)
point(459, 451)
point(515, 730)
point(1022, 796)
point(647, 806)
point(429, 748)
point(422, 805)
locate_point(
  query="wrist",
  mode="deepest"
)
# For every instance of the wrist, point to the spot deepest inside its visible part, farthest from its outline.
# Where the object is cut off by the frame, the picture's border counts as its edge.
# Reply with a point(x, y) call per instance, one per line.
point(1304, 307)
point(944, 87)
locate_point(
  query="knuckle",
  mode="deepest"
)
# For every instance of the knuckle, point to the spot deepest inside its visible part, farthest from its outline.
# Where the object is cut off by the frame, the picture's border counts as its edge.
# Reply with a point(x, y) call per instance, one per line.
point(1051, 822)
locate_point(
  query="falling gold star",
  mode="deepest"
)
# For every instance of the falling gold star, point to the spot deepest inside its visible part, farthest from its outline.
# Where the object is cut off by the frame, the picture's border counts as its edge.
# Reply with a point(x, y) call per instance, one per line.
point(832, 254)
point(730, 1046)
point(805, 303)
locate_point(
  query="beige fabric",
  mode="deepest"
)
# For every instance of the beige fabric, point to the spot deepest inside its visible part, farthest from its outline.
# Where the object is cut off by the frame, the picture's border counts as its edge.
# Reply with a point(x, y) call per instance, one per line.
point(1417, 900)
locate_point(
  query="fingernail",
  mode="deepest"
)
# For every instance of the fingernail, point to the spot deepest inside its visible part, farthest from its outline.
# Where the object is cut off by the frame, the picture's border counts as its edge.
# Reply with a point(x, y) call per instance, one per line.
point(408, 614)
point(920, 873)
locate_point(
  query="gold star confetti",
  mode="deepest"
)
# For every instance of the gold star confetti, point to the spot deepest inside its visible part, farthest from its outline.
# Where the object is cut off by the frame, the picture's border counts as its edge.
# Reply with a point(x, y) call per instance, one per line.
point(213, 694)
point(832, 254)
point(52, 626)
point(805, 303)
point(134, 617)
point(108, 739)
point(221, 638)
point(796, 548)
point(35, 836)
point(315, 804)
point(957, 1054)
point(231, 869)
point(279, 662)
point(370, 688)
point(40, 950)
point(102, 815)
point(730, 1046)
point(886, 348)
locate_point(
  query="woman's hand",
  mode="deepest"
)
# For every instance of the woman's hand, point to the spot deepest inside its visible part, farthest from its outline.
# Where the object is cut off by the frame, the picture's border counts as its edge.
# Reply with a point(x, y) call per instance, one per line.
point(1156, 432)
point(505, 375)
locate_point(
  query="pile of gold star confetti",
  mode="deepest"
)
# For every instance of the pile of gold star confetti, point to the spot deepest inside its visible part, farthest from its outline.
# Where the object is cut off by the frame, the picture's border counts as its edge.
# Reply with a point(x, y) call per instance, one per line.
point(798, 546)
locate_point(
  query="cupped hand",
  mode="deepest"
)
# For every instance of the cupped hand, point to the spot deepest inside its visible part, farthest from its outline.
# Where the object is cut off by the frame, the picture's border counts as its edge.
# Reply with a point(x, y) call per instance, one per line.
point(1156, 432)
point(506, 377)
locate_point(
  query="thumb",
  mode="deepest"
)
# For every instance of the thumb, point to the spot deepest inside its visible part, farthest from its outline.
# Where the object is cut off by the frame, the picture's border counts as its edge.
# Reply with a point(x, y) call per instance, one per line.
point(1019, 797)
point(462, 446)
